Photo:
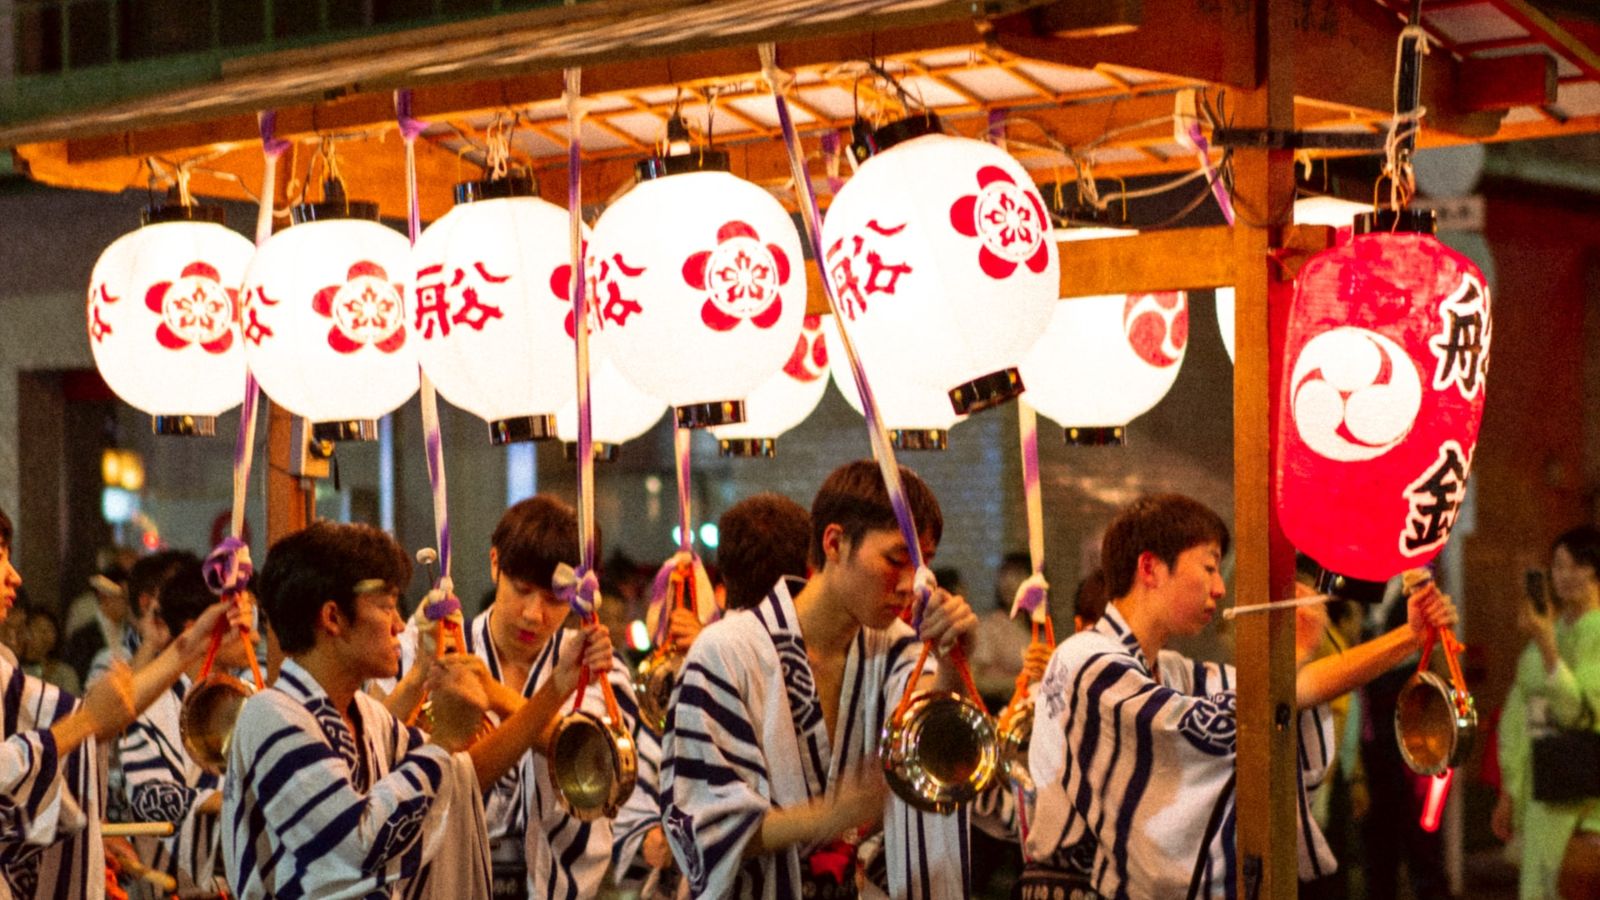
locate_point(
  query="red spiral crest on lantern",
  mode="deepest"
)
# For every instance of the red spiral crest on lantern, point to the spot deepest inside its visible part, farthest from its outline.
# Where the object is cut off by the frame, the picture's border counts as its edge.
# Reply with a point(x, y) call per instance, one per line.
point(366, 309)
point(1157, 326)
point(1009, 220)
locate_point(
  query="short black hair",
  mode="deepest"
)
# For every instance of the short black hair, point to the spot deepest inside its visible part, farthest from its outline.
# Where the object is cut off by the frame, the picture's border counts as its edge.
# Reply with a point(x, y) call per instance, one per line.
point(534, 536)
point(1163, 524)
point(321, 563)
point(1582, 544)
point(149, 573)
point(1089, 603)
point(855, 498)
point(5, 529)
point(184, 597)
point(760, 539)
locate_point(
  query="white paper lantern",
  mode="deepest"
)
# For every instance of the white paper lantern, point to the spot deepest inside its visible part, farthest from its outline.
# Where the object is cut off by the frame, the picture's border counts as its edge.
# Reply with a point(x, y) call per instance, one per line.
point(325, 322)
point(1105, 360)
point(698, 289)
point(618, 411)
point(163, 318)
point(917, 414)
point(940, 251)
point(492, 317)
point(784, 401)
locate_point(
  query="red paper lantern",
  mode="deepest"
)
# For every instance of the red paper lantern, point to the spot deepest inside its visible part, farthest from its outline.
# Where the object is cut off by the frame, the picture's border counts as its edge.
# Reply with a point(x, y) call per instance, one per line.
point(163, 316)
point(1385, 363)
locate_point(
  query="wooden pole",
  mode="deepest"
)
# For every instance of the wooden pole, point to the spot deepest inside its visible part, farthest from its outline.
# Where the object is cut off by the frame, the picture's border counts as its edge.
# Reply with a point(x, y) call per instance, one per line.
point(288, 506)
point(1264, 197)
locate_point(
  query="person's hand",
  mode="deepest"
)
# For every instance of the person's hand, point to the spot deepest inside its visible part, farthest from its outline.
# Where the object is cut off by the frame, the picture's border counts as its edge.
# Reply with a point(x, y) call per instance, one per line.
point(1541, 628)
point(153, 630)
point(654, 850)
point(196, 639)
point(589, 648)
point(857, 799)
point(109, 701)
point(1428, 610)
point(1502, 820)
point(683, 628)
point(948, 620)
point(459, 701)
point(1035, 660)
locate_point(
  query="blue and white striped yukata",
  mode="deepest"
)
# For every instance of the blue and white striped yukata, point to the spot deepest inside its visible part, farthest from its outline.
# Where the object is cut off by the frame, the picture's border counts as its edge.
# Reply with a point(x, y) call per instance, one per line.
point(49, 804)
point(310, 810)
point(746, 734)
point(1135, 778)
point(165, 785)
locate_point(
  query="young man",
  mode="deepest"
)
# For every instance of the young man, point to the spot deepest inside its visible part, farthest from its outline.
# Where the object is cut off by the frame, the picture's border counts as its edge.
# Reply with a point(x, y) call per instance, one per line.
point(124, 620)
point(50, 777)
point(326, 793)
point(763, 538)
point(163, 783)
point(1134, 745)
point(769, 774)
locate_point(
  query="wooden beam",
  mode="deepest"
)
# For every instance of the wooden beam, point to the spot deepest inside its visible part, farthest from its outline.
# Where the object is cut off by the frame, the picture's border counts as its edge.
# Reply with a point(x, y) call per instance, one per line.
point(1506, 82)
point(1267, 764)
point(1180, 259)
point(1347, 55)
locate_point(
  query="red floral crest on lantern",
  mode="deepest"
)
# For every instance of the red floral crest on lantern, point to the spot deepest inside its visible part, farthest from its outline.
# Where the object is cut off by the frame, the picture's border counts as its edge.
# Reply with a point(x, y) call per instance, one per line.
point(366, 309)
point(741, 278)
point(1157, 326)
point(809, 361)
point(194, 309)
point(1010, 221)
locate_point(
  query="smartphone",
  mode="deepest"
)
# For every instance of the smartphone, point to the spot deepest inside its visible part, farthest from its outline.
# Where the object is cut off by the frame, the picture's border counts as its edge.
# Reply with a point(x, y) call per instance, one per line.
point(1533, 583)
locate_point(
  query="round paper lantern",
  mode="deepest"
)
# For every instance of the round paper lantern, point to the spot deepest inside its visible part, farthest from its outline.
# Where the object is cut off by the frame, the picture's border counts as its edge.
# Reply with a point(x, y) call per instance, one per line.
point(917, 415)
point(941, 254)
point(698, 287)
point(163, 318)
point(492, 317)
point(1385, 364)
point(784, 401)
point(325, 328)
point(619, 412)
point(1106, 360)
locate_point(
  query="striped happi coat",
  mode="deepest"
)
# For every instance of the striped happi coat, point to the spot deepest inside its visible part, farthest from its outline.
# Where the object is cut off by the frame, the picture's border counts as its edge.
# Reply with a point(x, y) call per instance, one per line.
point(165, 785)
point(1135, 778)
point(746, 734)
point(566, 857)
point(49, 804)
point(310, 810)
point(638, 815)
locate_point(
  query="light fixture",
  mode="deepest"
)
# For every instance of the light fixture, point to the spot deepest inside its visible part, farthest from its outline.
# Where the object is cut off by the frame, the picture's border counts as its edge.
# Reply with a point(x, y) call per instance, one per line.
point(1385, 367)
point(697, 284)
point(163, 310)
point(325, 328)
point(783, 401)
point(942, 257)
point(492, 314)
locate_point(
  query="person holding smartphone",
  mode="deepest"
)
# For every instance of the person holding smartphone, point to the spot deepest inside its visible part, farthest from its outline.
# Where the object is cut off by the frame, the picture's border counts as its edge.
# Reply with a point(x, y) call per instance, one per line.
point(1557, 686)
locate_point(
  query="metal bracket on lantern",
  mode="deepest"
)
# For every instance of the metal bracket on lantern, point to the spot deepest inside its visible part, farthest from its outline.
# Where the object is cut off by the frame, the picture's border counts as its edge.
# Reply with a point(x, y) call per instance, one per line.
point(1284, 139)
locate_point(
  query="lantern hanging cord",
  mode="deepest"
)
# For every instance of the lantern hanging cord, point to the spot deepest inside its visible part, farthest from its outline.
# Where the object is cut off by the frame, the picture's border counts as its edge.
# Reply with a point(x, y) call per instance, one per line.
point(1401, 143)
point(498, 147)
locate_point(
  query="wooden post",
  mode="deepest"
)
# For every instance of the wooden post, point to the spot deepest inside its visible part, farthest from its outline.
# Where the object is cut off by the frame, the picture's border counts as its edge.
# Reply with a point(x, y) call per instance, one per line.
point(288, 506)
point(1264, 186)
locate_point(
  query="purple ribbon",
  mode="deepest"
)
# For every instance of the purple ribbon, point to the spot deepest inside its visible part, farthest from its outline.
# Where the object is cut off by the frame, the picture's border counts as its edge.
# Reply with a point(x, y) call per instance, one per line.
point(580, 588)
point(432, 434)
point(444, 606)
point(227, 568)
point(1033, 594)
point(882, 450)
point(1202, 147)
point(580, 318)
